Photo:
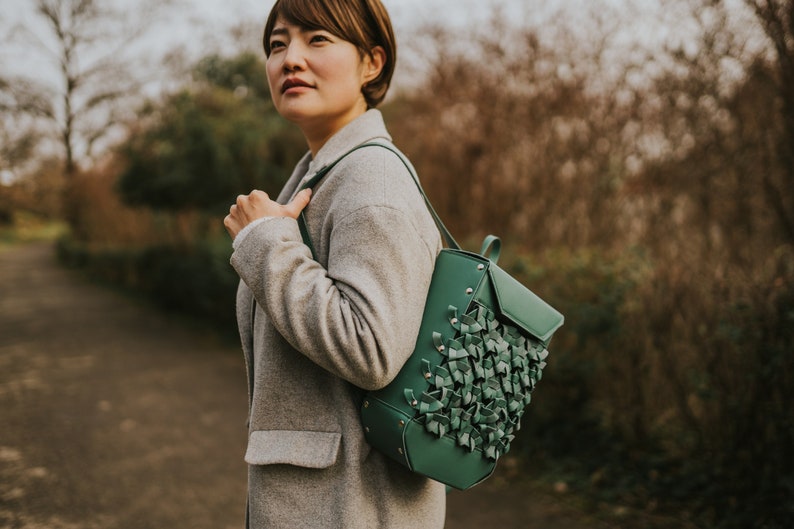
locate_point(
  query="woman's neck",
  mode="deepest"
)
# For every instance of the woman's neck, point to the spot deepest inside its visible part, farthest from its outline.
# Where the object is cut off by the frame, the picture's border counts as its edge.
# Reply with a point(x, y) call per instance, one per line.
point(319, 132)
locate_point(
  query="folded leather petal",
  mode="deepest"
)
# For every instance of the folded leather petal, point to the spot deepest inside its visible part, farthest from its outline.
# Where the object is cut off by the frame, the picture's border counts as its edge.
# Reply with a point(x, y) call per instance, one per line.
point(478, 392)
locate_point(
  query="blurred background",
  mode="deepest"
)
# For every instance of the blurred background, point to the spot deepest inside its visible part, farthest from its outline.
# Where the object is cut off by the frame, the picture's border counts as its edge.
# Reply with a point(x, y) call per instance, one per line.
point(635, 156)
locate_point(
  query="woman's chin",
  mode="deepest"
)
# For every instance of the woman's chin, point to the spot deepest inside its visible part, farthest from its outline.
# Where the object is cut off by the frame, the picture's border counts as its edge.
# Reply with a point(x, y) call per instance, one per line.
point(297, 113)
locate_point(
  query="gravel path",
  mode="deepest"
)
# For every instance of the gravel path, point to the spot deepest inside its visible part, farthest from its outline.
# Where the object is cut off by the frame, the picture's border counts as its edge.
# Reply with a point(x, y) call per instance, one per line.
point(114, 415)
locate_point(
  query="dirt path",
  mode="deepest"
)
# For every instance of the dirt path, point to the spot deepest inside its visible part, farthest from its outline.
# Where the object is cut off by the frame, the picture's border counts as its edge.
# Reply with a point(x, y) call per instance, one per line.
point(113, 415)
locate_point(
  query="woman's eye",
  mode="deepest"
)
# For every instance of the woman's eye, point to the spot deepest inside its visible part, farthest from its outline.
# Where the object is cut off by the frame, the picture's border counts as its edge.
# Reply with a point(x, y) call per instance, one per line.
point(276, 44)
point(319, 39)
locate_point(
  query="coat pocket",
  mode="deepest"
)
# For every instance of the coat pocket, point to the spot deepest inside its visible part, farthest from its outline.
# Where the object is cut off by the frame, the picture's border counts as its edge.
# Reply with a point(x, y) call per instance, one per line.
point(302, 449)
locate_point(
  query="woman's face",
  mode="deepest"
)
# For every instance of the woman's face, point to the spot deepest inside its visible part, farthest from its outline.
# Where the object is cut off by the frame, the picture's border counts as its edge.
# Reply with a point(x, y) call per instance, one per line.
point(316, 78)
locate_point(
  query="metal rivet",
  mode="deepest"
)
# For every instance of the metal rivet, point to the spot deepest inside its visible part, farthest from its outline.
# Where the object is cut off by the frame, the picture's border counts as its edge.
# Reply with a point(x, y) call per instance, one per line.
point(428, 375)
point(454, 321)
point(441, 348)
point(366, 429)
point(480, 267)
point(366, 404)
point(400, 451)
point(414, 402)
point(400, 423)
point(469, 290)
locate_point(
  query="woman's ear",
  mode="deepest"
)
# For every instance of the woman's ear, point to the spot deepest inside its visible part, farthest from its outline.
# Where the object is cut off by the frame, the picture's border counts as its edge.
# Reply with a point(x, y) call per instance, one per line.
point(374, 63)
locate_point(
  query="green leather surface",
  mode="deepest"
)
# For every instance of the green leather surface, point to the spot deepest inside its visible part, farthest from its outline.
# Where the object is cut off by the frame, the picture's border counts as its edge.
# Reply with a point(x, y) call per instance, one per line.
point(523, 307)
point(441, 460)
point(382, 427)
point(408, 443)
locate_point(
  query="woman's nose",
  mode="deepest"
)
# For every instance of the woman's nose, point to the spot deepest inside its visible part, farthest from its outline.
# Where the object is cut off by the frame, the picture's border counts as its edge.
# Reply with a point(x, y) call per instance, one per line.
point(294, 57)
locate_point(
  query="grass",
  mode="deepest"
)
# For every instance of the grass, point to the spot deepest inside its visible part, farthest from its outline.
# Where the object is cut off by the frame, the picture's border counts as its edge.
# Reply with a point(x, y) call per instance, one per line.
point(27, 227)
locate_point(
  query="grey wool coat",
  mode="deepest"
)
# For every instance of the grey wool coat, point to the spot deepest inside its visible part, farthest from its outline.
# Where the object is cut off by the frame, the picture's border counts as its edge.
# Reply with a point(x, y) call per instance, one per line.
point(321, 332)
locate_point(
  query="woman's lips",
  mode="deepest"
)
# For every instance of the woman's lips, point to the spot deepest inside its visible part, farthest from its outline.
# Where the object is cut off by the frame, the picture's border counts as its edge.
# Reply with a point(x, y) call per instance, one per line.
point(294, 83)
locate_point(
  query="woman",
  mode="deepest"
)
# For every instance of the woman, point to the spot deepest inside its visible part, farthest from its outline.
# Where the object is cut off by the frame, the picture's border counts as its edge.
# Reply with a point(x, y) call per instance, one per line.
point(317, 333)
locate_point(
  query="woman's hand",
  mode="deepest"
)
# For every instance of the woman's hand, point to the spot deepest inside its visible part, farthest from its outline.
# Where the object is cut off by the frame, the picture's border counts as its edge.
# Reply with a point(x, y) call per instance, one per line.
point(257, 205)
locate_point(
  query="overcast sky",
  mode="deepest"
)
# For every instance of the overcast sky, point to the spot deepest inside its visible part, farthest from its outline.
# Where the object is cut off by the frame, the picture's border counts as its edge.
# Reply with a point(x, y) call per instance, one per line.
point(180, 27)
point(219, 15)
point(200, 27)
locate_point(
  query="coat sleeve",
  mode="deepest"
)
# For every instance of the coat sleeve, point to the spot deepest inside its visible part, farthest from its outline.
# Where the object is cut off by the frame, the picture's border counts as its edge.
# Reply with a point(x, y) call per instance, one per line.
point(358, 318)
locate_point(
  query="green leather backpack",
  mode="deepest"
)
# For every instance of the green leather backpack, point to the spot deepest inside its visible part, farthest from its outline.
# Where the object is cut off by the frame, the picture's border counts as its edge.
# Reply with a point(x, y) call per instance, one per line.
point(456, 404)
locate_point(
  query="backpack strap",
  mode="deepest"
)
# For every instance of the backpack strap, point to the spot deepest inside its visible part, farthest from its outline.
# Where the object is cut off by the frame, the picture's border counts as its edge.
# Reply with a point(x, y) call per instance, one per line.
point(451, 243)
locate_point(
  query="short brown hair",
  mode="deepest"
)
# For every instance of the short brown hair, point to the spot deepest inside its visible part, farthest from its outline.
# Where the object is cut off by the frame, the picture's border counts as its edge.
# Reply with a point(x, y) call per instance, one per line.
point(364, 23)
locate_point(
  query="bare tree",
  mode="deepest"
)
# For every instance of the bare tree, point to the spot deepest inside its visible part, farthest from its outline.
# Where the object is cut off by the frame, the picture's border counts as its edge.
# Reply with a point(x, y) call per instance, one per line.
point(18, 135)
point(777, 19)
point(91, 46)
point(523, 123)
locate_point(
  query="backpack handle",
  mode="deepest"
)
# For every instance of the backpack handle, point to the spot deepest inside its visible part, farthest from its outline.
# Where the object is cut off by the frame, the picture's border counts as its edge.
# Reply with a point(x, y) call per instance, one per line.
point(491, 248)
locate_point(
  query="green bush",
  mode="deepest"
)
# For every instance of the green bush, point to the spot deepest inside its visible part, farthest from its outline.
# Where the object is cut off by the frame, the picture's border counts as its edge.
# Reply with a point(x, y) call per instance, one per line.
point(567, 415)
point(668, 387)
point(194, 280)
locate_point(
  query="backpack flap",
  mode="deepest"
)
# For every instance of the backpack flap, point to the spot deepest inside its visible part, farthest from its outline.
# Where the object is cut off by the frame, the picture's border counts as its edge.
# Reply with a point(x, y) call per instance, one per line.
point(522, 307)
